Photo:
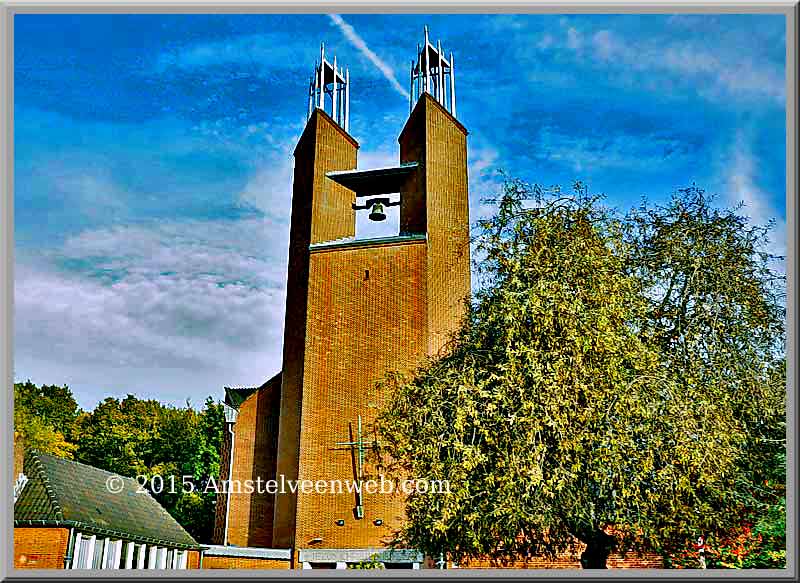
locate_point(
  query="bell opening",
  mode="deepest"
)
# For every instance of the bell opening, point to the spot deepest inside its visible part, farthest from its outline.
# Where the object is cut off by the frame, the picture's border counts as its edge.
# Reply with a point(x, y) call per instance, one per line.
point(377, 213)
point(378, 220)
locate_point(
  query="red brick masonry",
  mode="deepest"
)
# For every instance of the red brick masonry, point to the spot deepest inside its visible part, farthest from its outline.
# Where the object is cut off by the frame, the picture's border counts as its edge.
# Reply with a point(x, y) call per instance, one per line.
point(243, 563)
point(40, 548)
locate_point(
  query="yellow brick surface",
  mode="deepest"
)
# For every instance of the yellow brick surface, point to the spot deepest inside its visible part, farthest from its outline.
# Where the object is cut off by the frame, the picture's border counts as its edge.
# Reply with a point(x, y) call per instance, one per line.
point(244, 563)
point(321, 211)
point(366, 316)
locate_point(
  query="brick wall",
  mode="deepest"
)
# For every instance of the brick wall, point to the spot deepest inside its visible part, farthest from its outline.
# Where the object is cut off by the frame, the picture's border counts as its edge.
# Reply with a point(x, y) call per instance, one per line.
point(366, 317)
point(40, 548)
point(244, 563)
point(571, 559)
point(320, 212)
point(368, 310)
point(646, 561)
point(221, 507)
point(437, 203)
point(193, 560)
point(254, 452)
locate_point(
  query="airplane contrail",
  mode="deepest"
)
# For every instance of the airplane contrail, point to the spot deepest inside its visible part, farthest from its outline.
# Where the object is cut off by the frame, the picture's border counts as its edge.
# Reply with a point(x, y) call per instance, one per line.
point(359, 43)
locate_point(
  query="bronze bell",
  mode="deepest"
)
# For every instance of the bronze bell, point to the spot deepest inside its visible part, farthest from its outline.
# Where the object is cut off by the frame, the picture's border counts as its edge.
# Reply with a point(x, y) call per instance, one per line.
point(377, 214)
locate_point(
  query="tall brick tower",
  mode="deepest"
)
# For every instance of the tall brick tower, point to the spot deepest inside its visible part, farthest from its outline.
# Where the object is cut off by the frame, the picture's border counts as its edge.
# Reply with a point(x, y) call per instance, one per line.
point(356, 309)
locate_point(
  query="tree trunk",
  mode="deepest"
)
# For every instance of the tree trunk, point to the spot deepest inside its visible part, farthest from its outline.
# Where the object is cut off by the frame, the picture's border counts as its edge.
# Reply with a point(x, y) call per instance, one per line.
point(598, 546)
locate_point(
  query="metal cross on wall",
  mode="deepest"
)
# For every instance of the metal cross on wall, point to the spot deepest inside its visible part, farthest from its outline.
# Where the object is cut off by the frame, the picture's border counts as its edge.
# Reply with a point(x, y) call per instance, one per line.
point(357, 447)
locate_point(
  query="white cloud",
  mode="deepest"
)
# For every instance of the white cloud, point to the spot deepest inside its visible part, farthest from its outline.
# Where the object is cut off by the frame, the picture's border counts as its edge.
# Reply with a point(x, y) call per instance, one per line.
point(622, 151)
point(268, 51)
point(605, 44)
point(742, 187)
point(170, 310)
point(545, 42)
point(88, 188)
point(716, 75)
point(485, 181)
point(483, 170)
point(269, 189)
point(574, 39)
point(351, 35)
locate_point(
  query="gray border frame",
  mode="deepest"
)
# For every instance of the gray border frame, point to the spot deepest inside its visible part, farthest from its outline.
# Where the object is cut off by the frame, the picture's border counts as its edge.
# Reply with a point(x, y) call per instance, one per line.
point(788, 8)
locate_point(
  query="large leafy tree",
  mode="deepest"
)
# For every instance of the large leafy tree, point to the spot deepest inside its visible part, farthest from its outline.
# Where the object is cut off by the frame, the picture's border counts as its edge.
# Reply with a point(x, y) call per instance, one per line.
point(131, 437)
point(136, 437)
point(44, 418)
point(579, 400)
point(120, 435)
point(716, 312)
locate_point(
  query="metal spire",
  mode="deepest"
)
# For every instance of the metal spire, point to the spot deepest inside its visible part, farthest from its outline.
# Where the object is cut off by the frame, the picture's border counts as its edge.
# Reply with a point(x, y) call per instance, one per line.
point(329, 79)
point(433, 73)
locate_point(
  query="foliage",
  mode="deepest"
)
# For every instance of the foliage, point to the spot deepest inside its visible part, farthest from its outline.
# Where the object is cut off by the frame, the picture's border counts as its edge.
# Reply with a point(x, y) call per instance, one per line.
point(613, 382)
point(717, 313)
point(55, 405)
point(759, 546)
point(136, 437)
point(371, 563)
point(132, 437)
point(44, 418)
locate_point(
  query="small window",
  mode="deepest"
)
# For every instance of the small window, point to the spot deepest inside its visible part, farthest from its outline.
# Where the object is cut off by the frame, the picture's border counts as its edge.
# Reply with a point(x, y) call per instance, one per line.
point(180, 559)
point(100, 549)
point(83, 551)
point(161, 560)
point(141, 559)
point(151, 557)
point(137, 549)
point(113, 554)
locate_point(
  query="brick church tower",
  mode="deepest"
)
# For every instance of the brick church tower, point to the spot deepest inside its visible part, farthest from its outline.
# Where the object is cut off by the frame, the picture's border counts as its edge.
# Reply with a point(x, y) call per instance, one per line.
point(355, 309)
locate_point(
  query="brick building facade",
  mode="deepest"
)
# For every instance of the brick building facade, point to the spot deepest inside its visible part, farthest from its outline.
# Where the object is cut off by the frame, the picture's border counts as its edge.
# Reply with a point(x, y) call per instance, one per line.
point(355, 310)
point(67, 516)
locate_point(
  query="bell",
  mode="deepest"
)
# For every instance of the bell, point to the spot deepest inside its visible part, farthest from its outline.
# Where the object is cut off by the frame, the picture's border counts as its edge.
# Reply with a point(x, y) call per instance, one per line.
point(377, 214)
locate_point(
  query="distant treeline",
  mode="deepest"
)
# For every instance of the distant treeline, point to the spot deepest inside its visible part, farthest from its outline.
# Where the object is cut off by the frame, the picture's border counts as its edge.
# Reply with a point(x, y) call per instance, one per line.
point(130, 437)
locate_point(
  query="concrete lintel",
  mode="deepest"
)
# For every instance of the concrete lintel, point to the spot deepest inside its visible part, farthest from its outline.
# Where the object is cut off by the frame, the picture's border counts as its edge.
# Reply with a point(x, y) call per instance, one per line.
point(247, 552)
point(357, 555)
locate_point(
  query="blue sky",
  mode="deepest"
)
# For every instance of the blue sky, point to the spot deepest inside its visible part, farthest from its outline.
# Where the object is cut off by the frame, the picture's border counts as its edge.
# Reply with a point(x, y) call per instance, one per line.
point(153, 159)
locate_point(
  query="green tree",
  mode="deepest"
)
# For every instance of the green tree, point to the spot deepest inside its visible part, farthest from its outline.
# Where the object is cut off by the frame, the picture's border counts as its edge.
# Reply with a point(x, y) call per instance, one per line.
point(372, 563)
point(53, 404)
point(563, 410)
point(136, 437)
point(120, 436)
point(132, 437)
point(716, 313)
point(189, 444)
point(44, 418)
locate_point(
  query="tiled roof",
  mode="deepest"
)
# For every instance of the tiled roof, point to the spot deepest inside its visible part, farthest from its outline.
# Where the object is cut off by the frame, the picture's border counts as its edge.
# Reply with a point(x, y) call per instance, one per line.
point(69, 493)
point(235, 396)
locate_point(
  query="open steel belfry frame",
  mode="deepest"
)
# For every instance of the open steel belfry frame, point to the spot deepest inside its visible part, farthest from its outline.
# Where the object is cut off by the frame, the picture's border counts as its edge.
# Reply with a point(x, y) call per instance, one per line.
point(434, 74)
point(329, 80)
